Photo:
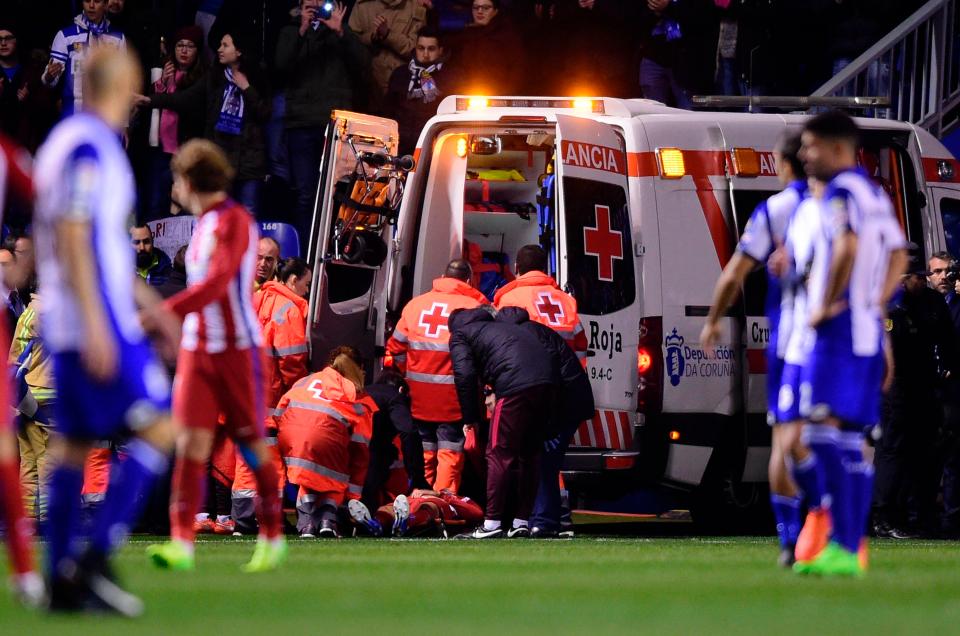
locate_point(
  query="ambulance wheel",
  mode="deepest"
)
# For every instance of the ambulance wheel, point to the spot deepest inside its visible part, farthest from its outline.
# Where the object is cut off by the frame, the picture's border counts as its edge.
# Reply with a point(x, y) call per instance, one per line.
point(723, 505)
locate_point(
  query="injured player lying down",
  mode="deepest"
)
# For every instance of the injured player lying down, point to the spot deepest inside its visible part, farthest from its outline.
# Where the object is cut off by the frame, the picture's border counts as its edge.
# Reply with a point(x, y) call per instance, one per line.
point(424, 512)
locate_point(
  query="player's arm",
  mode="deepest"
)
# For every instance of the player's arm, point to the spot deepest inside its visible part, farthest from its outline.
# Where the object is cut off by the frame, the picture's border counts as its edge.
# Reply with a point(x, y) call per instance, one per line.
point(724, 293)
point(838, 277)
point(232, 238)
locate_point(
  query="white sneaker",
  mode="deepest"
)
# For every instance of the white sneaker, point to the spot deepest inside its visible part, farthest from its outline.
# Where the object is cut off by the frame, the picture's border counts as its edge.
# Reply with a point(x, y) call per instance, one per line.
point(521, 532)
point(480, 533)
point(401, 515)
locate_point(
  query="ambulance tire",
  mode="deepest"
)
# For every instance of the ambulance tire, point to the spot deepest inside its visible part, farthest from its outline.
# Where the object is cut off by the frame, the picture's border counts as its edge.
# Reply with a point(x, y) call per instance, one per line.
point(722, 504)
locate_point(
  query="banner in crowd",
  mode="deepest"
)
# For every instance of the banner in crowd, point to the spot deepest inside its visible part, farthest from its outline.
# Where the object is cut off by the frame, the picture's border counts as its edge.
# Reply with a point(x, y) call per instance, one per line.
point(172, 232)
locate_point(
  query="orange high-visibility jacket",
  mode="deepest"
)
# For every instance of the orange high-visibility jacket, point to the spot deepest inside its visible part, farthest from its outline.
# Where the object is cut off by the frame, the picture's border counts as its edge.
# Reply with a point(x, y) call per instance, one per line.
point(547, 304)
point(324, 430)
point(420, 347)
point(283, 316)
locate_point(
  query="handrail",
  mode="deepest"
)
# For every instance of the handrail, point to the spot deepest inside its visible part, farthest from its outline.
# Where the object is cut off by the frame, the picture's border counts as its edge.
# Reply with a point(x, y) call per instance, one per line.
point(913, 66)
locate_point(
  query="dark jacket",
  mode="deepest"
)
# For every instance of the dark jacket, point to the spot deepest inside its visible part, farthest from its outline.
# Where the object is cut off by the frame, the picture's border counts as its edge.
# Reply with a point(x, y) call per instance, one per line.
point(924, 341)
point(246, 151)
point(159, 271)
point(411, 113)
point(392, 398)
point(323, 71)
point(29, 120)
point(575, 399)
point(506, 356)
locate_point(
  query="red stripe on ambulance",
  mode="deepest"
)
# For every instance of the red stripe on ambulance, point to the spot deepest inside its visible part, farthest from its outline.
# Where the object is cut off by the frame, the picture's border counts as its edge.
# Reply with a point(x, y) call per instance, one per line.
point(608, 429)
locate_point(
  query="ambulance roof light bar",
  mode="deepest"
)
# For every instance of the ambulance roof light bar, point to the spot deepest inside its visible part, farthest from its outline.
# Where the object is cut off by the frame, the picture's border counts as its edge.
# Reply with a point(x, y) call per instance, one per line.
point(789, 102)
point(574, 105)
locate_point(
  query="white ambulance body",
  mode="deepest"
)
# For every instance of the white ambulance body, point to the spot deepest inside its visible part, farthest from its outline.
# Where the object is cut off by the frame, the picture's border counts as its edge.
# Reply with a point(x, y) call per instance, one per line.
point(639, 206)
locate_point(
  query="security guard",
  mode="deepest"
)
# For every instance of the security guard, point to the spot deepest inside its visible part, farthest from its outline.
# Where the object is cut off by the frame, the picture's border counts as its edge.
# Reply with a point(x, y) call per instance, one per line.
point(420, 349)
point(924, 352)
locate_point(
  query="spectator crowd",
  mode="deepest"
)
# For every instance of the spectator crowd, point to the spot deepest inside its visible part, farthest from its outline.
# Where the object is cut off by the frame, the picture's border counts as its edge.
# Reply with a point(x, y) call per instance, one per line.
point(260, 77)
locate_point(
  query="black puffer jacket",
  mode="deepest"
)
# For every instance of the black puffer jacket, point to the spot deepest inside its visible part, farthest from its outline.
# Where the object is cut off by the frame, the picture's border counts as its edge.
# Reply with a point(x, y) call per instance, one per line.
point(506, 356)
point(575, 400)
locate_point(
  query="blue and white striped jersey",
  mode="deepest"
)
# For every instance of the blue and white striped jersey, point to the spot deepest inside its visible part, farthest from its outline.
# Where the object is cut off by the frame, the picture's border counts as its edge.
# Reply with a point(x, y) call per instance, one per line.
point(764, 233)
point(854, 203)
point(82, 173)
point(70, 46)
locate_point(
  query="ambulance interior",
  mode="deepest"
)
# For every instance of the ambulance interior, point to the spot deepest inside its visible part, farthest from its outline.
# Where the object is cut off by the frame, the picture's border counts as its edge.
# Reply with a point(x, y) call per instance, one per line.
point(489, 192)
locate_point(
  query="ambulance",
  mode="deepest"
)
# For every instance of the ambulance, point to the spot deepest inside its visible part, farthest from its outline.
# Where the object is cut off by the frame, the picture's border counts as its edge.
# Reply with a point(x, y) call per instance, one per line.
point(639, 207)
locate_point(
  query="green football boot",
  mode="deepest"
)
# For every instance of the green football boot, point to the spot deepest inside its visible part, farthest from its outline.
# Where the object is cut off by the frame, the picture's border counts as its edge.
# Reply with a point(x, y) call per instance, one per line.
point(171, 556)
point(268, 555)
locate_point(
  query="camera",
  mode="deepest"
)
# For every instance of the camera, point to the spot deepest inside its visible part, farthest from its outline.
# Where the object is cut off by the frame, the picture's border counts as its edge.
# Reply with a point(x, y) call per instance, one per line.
point(953, 273)
point(325, 11)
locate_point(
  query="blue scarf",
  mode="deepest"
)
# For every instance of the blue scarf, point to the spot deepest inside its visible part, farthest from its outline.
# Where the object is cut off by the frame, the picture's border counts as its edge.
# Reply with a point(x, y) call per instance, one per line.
point(230, 120)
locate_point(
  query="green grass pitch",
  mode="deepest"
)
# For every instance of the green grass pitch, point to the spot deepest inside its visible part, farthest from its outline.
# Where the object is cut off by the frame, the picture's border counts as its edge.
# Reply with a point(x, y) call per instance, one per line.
point(584, 586)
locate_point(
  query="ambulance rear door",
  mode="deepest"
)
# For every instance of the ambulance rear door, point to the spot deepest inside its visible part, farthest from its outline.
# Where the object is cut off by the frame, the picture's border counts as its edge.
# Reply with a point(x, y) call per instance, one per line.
point(597, 266)
point(353, 219)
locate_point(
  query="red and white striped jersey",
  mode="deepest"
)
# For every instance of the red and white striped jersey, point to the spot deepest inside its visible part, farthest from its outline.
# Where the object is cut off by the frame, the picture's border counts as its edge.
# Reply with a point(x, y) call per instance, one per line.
point(217, 305)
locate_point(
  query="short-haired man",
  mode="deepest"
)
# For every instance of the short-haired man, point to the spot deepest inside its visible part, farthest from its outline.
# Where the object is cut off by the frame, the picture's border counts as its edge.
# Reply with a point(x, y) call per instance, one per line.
point(859, 259)
point(268, 260)
point(71, 46)
point(153, 265)
point(420, 348)
point(939, 266)
point(415, 88)
point(109, 382)
point(219, 369)
point(538, 293)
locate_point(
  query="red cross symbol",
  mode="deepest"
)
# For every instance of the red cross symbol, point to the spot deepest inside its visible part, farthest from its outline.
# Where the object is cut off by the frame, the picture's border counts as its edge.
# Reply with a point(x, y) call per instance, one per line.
point(434, 320)
point(549, 309)
point(603, 242)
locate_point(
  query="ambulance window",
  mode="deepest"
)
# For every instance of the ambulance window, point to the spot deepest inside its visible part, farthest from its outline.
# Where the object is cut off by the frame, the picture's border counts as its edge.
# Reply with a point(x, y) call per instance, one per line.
point(599, 247)
point(950, 211)
point(884, 158)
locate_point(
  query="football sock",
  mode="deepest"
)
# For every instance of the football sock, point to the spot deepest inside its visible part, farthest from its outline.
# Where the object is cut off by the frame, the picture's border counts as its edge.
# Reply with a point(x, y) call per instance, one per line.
point(520, 523)
point(63, 516)
point(16, 523)
point(808, 476)
point(825, 442)
point(860, 477)
point(130, 483)
point(268, 502)
point(786, 511)
point(489, 525)
point(189, 478)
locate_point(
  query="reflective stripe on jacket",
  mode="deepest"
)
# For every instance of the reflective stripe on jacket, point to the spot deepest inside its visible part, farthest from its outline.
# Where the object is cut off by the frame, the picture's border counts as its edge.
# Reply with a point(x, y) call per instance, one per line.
point(283, 316)
point(547, 304)
point(420, 347)
point(324, 430)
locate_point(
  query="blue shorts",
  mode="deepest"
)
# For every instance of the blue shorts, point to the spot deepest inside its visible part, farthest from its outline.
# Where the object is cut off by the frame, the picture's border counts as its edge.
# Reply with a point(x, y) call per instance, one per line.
point(788, 395)
point(844, 386)
point(133, 399)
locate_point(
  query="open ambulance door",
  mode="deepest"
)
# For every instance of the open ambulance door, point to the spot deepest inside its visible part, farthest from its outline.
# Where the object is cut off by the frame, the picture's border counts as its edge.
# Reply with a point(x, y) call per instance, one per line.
point(596, 265)
point(353, 220)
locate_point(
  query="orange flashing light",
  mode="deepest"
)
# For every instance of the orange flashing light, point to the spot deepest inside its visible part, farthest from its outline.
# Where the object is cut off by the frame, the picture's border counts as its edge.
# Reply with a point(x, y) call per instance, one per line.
point(477, 103)
point(674, 436)
point(671, 163)
point(644, 361)
point(746, 162)
point(461, 147)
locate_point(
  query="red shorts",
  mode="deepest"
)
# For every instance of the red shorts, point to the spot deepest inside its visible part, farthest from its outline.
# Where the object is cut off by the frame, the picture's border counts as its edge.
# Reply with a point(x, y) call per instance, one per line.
point(231, 382)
